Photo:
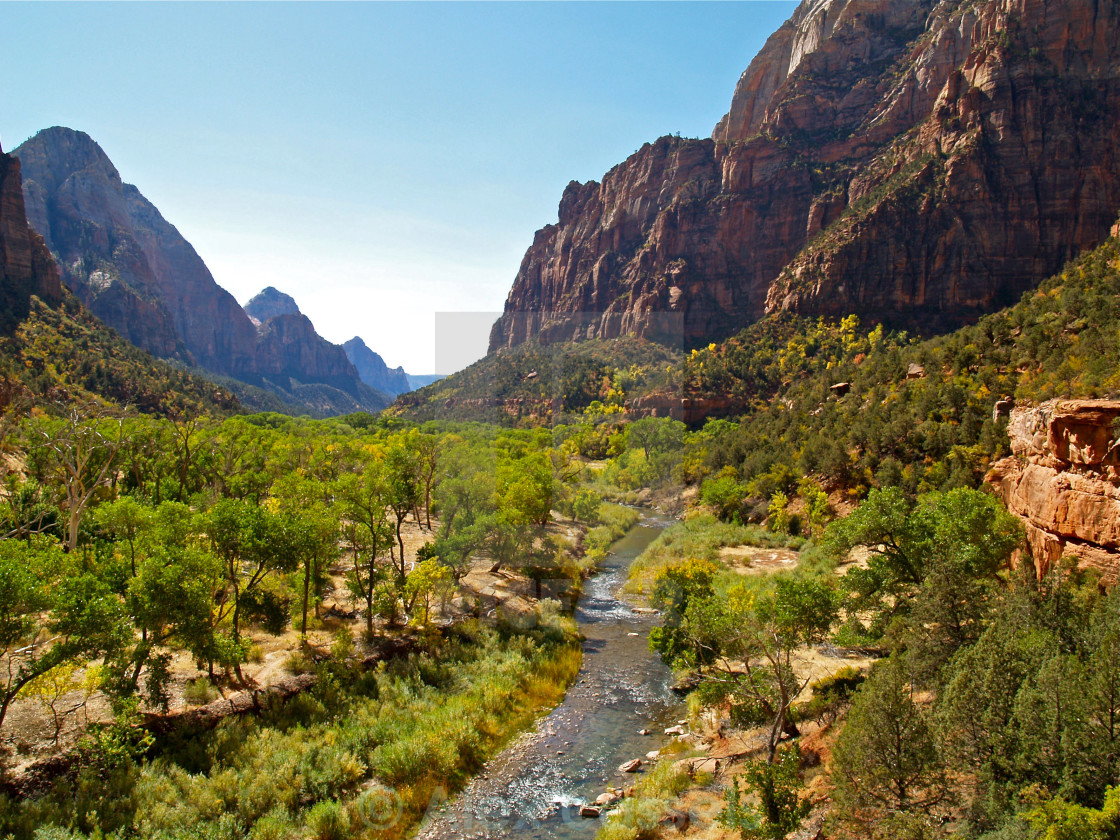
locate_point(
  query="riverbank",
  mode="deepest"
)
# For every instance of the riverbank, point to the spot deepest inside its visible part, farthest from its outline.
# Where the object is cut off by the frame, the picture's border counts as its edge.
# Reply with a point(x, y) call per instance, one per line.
point(361, 752)
point(617, 710)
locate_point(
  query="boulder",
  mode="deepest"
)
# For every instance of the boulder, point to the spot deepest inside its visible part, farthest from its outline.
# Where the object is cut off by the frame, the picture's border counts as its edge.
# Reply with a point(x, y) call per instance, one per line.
point(632, 766)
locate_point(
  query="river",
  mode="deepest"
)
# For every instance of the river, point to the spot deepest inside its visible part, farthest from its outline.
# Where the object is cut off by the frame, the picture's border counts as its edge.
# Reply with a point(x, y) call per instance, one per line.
point(532, 790)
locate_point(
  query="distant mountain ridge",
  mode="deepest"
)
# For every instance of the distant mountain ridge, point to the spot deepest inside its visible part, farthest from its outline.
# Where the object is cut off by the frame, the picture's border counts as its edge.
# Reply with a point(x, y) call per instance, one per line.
point(137, 273)
point(916, 162)
point(52, 350)
point(373, 370)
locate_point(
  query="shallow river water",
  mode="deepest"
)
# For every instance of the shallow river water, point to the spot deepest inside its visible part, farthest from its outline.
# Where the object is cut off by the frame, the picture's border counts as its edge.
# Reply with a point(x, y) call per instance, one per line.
point(533, 789)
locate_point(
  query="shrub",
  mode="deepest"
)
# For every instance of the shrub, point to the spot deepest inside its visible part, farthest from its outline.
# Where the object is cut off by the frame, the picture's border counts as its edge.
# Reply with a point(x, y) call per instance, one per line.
point(639, 815)
point(199, 692)
point(328, 820)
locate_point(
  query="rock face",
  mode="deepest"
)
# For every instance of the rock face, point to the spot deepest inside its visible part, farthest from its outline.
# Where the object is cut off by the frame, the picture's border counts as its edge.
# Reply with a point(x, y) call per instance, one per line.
point(26, 267)
point(1064, 482)
point(373, 370)
point(918, 162)
point(126, 263)
point(288, 346)
point(134, 270)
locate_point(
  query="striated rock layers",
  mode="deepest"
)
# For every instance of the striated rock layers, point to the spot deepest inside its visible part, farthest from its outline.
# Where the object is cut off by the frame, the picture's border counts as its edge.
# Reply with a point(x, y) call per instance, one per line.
point(26, 267)
point(918, 162)
point(373, 370)
point(1064, 482)
point(137, 273)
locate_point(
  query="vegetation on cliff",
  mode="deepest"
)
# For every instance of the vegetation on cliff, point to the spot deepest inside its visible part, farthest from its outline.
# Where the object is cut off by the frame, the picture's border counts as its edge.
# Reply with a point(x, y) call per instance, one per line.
point(63, 354)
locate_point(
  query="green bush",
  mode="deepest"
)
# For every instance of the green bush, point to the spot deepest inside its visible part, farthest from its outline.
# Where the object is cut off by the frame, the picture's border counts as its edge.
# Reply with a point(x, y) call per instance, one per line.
point(328, 820)
point(638, 816)
point(199, 692)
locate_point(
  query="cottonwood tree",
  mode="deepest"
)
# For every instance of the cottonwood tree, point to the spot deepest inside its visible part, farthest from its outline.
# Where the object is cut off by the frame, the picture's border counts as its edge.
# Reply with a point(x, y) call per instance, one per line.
point(364, 504)
point(402, 474)
point(749, 644)
point(427, 450)
point(428, 581)
point(171, 601)
point(251, 544)
point(79, 449)
point(51, 614)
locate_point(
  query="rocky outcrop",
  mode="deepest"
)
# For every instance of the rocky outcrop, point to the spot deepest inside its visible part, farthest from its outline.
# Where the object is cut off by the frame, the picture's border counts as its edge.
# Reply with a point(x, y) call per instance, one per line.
point(691, 410)
point(1063, 482)
point(26, 267)
point(373, 370)
point(918, 162)
point(270, 303)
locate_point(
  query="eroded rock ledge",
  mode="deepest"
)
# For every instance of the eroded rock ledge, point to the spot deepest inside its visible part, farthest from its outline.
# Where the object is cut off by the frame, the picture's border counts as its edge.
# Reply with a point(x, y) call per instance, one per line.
point(1063, 482)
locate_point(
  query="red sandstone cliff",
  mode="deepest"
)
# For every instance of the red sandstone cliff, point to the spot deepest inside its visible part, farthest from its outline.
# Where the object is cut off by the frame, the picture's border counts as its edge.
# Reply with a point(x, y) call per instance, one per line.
point(26, 267)
point(1064, 482)
point(915, 161)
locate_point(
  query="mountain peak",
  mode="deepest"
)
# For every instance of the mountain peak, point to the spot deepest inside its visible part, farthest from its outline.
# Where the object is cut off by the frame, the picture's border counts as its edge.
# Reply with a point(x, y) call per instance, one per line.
point(59, 149)
point(373, 371)
point(270, 303)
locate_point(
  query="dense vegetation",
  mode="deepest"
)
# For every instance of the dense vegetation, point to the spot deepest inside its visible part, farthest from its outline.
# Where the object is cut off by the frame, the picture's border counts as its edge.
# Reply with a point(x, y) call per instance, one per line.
point(58, 354)
point(363, 752)
point(129, 541)
point(996, 713)
point(912, 414)
point(539, 385)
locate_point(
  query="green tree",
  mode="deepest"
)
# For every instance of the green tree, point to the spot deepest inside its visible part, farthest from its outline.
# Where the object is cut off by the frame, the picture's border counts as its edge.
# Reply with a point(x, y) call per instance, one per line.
point(724, 493)
point(364, 502)
point(126, 520)
point(780, 808)
point(428, 581)
point(171, 599)
point(886, 760)
point(78, 450)
point(51, 614)
point(684, 594)
point(403, 480)
point(778, 512)
point(947, 548)
point(251, 543)
point(1059, 819)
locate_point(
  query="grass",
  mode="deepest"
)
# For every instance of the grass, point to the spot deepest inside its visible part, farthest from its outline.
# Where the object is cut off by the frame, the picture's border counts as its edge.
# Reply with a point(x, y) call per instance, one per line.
point(362, 754)
point(614, 522)
point(638, 816)
point(700, 537)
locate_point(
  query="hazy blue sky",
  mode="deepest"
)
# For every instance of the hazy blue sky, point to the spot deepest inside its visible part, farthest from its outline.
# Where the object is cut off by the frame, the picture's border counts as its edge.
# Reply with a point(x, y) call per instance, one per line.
point(380, 162)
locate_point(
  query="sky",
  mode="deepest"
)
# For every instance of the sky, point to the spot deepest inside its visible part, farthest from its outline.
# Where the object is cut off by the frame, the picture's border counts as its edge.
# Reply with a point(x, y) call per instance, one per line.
point(384, 163)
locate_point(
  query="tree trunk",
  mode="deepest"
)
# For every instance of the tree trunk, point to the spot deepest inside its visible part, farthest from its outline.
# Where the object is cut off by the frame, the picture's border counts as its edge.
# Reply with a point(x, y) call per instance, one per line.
point(306, 588)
